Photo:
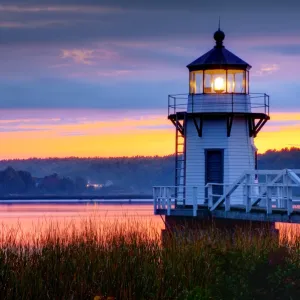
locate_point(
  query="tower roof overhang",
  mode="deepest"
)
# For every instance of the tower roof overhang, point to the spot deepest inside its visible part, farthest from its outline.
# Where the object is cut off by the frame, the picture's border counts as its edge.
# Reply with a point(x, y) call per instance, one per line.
point(218, 58)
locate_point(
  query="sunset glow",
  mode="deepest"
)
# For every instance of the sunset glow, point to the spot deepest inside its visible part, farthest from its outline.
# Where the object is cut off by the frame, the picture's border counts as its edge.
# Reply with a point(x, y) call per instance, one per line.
point(90, 133)
point(77, 79)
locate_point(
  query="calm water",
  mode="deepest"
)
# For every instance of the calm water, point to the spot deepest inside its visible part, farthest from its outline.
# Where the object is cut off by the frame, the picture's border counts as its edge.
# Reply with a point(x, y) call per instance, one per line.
point(29, 218)
point(24, 220)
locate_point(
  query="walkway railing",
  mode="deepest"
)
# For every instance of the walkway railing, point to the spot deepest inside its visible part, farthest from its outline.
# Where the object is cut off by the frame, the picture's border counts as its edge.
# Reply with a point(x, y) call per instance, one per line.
point(273, 190)
point(257, 102)
point(167, 197)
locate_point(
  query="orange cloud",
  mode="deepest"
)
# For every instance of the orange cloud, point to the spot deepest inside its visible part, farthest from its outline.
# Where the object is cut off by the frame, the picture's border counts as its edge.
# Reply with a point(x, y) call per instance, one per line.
point(152, 142)
point(266, 69)
point(288, 116)
point(88, 56)
point(79, 56)
point(286, 136)
point(118, 135)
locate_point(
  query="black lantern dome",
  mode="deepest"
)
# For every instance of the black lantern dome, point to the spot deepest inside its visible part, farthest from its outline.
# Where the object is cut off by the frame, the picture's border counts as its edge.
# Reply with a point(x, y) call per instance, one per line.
point(218, 57)
point(219, 71)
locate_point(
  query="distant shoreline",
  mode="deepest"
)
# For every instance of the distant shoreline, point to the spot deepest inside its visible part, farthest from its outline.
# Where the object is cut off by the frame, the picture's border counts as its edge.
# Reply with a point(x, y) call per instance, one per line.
point(79, 197)
point(76, 199)
point(76, 202)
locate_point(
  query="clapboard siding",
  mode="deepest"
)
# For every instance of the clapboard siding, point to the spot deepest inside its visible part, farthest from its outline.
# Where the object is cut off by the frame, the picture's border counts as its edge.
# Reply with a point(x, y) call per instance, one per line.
point(214, 136)
point(241, 153)
point(238, 153)
point(218, 103)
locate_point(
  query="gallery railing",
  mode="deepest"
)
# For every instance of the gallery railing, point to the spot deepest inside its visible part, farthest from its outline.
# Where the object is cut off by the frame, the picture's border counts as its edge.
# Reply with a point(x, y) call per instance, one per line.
point(229, 102)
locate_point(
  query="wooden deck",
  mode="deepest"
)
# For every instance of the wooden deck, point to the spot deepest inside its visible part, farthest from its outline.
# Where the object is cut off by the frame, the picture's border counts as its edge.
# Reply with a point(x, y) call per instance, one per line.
point(236, 212)
point(270, 200)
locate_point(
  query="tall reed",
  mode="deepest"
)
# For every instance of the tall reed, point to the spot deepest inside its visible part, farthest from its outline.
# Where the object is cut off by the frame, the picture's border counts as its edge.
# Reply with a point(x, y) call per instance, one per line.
point(127, 260)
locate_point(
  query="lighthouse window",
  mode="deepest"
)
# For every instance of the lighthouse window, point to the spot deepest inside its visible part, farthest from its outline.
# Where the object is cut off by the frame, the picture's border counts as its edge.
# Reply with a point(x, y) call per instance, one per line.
point(196, 82)
point(236, 81)
point(247, 82)
point(219, 81)
point(214, 81)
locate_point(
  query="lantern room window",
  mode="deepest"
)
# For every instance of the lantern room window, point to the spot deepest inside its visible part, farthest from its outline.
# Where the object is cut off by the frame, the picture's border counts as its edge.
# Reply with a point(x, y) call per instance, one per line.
point(236, 81)
point(215, 81)
point(196, 82)
point(219, 81)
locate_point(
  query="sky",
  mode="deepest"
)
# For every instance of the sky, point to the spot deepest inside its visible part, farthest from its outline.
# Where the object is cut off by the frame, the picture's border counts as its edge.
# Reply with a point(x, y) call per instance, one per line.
point(92, 78)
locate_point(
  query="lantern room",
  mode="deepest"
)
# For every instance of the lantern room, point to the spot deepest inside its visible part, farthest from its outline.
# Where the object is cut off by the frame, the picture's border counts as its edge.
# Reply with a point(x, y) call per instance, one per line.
point(219, 81)
point(219, 71)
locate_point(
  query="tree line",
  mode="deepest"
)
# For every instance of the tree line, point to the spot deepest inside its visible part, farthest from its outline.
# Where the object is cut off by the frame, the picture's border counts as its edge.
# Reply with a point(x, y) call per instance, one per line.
point(117, 175)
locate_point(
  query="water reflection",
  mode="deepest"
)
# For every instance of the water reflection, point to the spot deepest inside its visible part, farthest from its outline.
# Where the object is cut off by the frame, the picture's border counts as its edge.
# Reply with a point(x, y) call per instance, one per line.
point(26, 222)
point(23, 221)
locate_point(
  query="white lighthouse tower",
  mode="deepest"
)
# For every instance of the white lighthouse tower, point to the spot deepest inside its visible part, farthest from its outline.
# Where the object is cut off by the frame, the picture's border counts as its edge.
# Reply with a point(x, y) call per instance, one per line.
point(216, 124)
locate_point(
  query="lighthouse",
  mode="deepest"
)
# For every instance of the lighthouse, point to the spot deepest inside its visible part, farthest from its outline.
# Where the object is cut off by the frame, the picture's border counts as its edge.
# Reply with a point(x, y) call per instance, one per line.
point(216, 174)
point(215, 125)
point(220, 123)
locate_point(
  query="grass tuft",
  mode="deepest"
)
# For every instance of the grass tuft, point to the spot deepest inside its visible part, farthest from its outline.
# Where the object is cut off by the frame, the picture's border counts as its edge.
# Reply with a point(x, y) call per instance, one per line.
point(128, 261)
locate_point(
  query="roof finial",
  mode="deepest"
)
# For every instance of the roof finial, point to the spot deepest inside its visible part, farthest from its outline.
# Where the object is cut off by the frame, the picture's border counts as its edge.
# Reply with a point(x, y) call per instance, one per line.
point(219, 35)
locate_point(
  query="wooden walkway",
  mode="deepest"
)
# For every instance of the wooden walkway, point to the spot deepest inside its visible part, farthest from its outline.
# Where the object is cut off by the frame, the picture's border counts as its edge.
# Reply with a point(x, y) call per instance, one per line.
point(236, 212)
point(269, 200)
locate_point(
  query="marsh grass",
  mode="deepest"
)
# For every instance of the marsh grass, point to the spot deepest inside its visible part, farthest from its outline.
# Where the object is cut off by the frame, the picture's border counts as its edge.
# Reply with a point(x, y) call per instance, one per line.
point(126, 260)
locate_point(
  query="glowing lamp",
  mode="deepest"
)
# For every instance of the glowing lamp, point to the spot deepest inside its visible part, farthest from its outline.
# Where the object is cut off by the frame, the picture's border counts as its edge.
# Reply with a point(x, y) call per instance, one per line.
point(219, 85)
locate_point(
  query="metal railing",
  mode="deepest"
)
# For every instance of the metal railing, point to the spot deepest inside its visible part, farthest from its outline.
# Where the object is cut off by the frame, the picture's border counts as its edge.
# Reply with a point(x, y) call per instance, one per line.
point(166, 197)
point(257, 102)
point(274, 191)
